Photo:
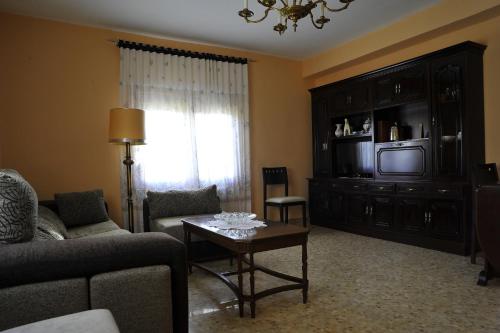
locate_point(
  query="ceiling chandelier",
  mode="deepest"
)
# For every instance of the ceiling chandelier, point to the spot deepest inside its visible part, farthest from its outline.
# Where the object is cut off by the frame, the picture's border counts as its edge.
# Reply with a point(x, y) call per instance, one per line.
point(295, 10)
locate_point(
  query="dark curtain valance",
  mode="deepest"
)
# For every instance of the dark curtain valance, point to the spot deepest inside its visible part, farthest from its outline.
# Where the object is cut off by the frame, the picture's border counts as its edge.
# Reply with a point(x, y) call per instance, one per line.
point(182, 53)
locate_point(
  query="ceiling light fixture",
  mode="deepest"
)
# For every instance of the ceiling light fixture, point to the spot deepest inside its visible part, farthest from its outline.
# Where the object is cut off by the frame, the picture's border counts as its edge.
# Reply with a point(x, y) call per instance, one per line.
point(293, 11)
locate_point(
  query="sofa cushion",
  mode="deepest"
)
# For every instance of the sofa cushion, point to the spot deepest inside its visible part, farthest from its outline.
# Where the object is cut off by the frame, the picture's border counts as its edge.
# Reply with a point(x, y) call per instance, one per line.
point(81, 208)
point(173, 227)
point(92, 229)
point(119, 232)
point(181, 203)
point(18, 208)
point(25, 303)
point(147, 288)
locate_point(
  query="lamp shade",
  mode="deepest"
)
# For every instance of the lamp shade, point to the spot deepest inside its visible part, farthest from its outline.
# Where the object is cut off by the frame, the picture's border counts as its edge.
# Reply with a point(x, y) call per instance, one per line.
point(126, 126)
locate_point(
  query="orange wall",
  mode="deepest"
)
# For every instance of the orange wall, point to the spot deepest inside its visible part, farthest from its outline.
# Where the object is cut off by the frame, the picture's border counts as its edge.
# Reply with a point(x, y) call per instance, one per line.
point(482, 28)
point(58, 82)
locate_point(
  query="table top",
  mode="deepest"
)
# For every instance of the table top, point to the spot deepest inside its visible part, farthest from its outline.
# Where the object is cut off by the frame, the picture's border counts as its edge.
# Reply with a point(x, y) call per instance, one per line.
point(273, 230)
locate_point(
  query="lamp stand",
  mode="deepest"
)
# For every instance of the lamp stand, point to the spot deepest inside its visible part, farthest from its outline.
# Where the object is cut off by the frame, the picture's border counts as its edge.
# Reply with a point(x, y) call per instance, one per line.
point(130, 203)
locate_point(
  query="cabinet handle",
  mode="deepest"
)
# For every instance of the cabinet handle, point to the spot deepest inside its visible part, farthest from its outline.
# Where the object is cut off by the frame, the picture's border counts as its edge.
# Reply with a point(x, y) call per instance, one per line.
point(366, 210)
point(433, 121)
point(355, 186)
point(410, 189)
point(426, 218)
point(371, 210)
point(443, 191)
point(396, 89)
point(429, 219)
point(381, 188)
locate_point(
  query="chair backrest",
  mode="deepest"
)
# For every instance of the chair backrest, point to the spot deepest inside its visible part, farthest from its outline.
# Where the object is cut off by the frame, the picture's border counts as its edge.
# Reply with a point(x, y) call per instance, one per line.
point(485, 174)
point(275, 176)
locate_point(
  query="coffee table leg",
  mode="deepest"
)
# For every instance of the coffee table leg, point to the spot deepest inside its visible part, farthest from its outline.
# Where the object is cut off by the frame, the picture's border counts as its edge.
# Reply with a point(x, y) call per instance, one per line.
point(187, 242)
point(304, 272)
point(252, 286)
point(240, 284)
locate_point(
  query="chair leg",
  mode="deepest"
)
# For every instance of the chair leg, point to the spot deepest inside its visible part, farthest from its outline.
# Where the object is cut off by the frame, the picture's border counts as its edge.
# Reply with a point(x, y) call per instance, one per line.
point(286, 214)
point(265, 212)
point(281, 214)
point(304, 217)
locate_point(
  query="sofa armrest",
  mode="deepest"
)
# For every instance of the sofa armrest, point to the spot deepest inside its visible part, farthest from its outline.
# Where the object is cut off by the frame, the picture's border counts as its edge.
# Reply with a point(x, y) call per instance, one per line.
point(54, 260)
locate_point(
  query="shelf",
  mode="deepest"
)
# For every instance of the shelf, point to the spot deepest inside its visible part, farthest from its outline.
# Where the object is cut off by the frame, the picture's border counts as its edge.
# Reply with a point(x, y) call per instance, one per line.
point(404, 141)
point(354, 137)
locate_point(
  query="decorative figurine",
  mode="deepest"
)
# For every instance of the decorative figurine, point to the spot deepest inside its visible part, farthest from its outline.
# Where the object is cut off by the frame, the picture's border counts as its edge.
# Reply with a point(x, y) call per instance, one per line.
point(347, 127)
point(338, 131)
point(367, 125)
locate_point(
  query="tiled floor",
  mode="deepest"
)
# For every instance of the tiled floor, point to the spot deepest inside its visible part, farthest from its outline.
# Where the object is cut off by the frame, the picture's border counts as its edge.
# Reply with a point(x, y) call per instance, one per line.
point(357, 284)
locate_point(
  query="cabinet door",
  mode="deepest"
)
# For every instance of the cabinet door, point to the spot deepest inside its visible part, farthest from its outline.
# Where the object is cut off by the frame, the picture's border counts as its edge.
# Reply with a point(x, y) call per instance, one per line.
point(447, 79)
point(337, 207)
point(412, 84)
point(359, 97)
point(401, 87)
point(412, 215)
point(319, 203)
point(322, 158)
point(445, 219)
point(382, 212)
point(385, 90)
point(341, 102)
point(357, 209)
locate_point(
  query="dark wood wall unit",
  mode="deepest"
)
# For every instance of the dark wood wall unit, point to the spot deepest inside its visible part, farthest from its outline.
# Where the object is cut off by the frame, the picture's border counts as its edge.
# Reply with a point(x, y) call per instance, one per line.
point(417, 189)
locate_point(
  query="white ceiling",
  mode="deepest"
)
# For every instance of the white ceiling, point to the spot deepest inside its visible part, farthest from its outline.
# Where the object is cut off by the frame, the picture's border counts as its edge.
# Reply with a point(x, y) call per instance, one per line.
point(217, 22)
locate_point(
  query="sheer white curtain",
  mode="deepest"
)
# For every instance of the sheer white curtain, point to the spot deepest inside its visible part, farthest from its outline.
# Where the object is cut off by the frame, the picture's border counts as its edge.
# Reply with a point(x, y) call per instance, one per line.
point(197, 126)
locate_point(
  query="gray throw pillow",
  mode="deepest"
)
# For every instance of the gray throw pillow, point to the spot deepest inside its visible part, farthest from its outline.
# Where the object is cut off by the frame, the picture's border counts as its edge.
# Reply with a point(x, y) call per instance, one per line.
point(18, 208)
point(81, 208)
point(50, 223)
point(181, 203)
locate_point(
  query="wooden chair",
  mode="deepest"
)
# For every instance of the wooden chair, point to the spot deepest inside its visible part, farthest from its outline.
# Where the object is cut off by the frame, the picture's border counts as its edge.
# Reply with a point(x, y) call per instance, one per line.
point(487, 199)
point(483, 174)
point(279, 176)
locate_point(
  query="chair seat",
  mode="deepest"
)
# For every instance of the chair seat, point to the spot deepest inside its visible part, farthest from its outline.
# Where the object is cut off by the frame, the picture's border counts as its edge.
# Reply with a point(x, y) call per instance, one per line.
point(284, 200)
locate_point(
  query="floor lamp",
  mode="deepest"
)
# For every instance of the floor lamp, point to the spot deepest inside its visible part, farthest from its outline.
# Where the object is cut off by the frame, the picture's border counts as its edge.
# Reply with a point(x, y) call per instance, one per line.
point(126, 127)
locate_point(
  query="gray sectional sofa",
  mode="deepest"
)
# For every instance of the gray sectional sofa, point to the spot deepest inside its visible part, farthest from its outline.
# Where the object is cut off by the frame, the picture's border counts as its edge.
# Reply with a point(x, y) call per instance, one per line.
point(48, 269)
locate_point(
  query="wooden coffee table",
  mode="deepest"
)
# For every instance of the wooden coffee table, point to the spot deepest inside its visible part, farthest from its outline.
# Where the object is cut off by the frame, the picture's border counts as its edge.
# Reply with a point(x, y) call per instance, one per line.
point(248, 242)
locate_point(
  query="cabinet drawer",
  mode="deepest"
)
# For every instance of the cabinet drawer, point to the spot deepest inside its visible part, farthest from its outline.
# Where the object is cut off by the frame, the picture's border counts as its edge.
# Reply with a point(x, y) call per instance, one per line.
point(336, 186)
point(412, 188)
point(356, 187)
point(385, 188)
point(447, 190)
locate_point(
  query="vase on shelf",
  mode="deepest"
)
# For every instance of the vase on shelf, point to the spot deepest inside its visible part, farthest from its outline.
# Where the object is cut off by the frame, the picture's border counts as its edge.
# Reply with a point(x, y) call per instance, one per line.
point(367, 125)
point(338, 131)
point(347, 127)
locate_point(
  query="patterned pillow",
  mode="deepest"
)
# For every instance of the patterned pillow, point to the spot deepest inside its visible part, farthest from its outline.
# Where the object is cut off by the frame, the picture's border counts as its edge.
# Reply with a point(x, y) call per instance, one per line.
point(81, 208)
point(18, 208)
point(181, 203)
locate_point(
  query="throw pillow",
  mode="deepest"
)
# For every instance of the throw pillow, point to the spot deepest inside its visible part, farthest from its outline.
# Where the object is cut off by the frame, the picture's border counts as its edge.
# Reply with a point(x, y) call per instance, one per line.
point(50, 223)
point(18, 208)
point(81, 208)
point(181, 203)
